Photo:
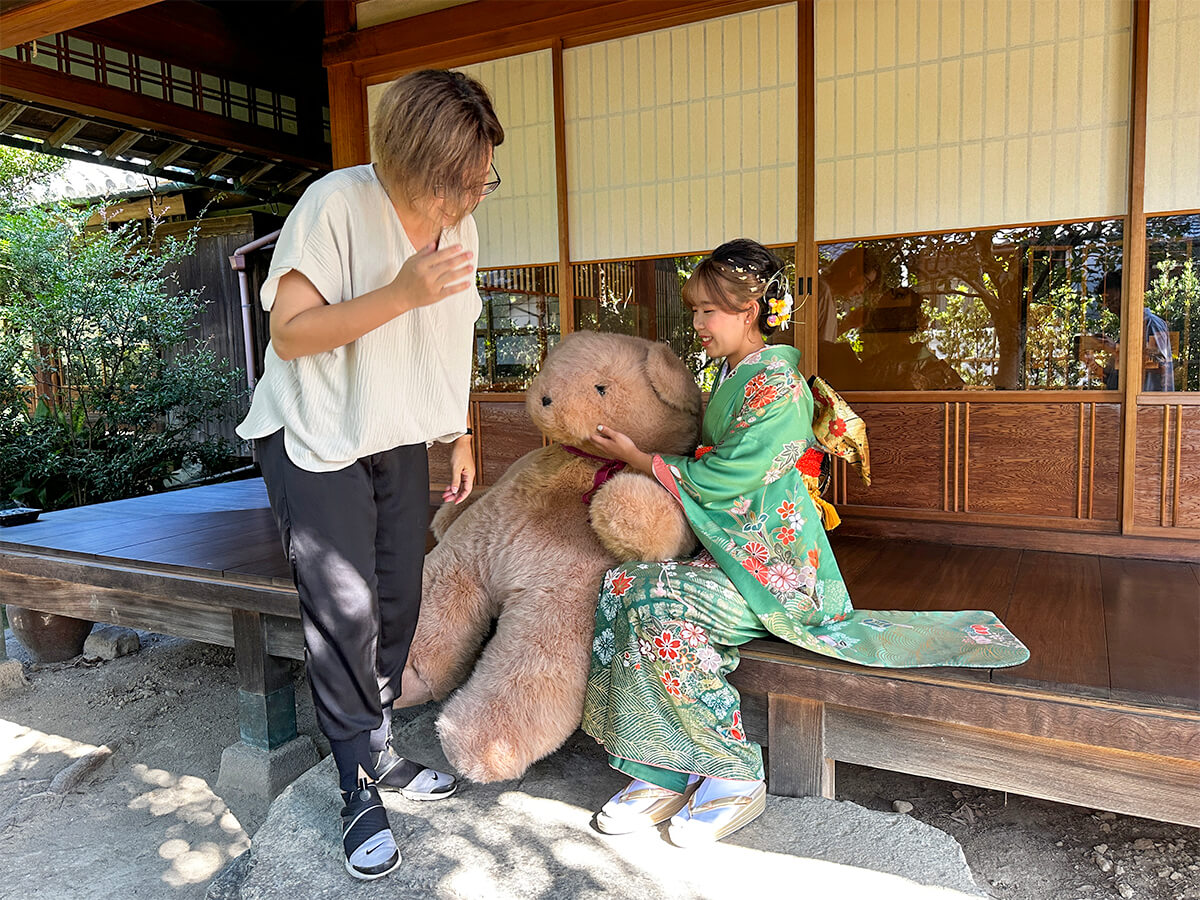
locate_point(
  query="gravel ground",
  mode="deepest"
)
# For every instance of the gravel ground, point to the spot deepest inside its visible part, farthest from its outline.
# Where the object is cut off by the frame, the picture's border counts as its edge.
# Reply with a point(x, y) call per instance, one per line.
point(107, 772)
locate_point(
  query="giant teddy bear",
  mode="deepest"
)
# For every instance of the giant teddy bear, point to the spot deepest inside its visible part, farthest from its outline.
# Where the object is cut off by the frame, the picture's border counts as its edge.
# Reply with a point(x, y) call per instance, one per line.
point(530, 554)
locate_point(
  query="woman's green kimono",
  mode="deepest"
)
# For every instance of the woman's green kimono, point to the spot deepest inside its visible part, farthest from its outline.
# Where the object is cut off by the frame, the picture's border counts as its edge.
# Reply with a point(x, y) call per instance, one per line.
point(667, 633)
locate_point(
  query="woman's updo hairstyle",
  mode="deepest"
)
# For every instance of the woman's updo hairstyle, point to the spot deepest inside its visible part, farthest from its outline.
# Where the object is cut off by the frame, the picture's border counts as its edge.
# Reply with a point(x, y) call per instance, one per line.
point(432, 135)
point(737, 274)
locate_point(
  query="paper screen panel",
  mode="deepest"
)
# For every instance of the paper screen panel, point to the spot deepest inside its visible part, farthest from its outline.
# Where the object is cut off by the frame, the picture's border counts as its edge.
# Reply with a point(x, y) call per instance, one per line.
point(681, 138)
point(953, 114)
point(1173, 107)
point(518, 224)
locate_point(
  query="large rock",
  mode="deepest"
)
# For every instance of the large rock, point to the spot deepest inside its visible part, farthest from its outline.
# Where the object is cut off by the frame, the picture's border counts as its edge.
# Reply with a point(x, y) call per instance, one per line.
point(533, 839)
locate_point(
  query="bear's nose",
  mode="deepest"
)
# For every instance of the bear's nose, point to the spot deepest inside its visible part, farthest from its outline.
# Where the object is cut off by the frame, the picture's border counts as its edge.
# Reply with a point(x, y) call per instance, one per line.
point(545, 400)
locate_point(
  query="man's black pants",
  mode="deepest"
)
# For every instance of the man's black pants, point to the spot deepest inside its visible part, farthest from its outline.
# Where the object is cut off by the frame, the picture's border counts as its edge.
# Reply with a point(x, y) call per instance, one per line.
point(355, 539)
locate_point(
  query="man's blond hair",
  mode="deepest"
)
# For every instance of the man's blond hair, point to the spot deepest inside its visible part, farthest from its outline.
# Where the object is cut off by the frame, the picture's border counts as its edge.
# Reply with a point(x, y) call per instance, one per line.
point(433, 131)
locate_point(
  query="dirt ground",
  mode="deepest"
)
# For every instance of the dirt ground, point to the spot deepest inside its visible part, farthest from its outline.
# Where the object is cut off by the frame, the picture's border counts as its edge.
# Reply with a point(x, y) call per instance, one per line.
point(142, 821)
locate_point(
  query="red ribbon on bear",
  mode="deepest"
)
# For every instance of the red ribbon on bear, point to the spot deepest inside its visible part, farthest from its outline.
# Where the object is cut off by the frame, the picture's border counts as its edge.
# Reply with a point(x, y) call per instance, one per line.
point(610, 468)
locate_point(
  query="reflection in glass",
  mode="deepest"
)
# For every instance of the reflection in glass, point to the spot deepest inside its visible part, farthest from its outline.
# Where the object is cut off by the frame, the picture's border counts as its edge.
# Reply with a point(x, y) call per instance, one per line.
point(1172, 304)
point(518, 325)
point(1004, 308)
point(643, 297)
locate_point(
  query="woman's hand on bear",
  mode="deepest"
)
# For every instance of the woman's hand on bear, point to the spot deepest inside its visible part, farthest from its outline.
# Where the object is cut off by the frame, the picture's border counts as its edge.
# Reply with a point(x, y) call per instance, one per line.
point(614, 444)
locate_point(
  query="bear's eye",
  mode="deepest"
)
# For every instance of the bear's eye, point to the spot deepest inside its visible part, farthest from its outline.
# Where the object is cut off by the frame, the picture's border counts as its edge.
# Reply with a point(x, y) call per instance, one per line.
point(601, 388)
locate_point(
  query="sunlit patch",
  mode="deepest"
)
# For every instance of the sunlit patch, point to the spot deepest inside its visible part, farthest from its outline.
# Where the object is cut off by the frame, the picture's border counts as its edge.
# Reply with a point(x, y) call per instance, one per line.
point(191, 865)
point(22, 746)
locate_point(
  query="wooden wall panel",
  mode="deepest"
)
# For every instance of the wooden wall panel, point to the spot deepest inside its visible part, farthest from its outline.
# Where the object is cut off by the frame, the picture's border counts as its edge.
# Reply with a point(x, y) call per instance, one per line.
point(1054, 458)
point(907, 456)
point(1105, 483)
point(1167, 471)
point(505, 433)
point(1059, 459)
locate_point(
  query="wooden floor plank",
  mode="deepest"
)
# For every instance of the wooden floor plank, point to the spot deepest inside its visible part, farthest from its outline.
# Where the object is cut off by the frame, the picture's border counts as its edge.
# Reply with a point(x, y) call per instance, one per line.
point(216, 542)
point(1057, 610)
point(896, 575)
point(854, 554)
point(1152, 615)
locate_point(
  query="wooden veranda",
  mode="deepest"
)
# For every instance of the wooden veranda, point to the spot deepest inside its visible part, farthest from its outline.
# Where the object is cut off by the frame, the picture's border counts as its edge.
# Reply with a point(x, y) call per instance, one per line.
point(1106, 712)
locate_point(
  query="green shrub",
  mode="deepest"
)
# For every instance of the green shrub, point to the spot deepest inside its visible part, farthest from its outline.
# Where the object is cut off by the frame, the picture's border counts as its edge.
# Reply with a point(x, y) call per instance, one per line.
point(101, 395)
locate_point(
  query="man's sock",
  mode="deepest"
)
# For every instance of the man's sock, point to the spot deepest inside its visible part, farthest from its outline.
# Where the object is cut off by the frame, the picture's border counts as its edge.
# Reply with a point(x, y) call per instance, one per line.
point(382, 736)
point(353, 758)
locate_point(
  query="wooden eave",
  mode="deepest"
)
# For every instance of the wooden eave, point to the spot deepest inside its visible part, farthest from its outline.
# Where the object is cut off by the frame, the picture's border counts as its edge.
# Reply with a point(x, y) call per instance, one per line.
point(489, 28)
point(27, 20)
point(150, 151)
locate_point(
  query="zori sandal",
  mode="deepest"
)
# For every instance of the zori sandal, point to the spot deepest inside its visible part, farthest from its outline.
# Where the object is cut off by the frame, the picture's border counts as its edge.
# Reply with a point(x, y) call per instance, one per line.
point(641, 805)
point(714, 819)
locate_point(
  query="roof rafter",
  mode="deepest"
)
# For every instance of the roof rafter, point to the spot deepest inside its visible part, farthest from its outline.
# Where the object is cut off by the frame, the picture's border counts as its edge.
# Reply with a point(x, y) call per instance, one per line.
point(42, 17)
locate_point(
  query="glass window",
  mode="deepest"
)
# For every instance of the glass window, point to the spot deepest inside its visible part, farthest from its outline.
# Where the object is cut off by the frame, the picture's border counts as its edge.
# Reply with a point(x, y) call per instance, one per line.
point(1171, 358)
point(644, 297)
point(518, 325)
point(1006, 308)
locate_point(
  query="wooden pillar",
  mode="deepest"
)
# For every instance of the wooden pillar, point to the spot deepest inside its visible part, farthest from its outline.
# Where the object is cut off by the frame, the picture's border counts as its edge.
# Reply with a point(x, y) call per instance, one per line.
point(266, 699)
point(1133, 267)
point(796, 740)
point(807, 316)
point(566, 284)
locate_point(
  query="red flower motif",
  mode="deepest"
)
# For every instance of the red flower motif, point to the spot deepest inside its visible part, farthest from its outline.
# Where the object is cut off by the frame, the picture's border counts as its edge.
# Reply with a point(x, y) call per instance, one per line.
point(814, 558)
point(838, 427)
point(758, 551)
point(735, 730)
point(768, 394)
point(785, 535)
point(810, 462)
point(980, 629)
point(700, 451)
point(757, 569)
point(786, 510)
point(671, 683)
point(620, 584)
point(668, 646)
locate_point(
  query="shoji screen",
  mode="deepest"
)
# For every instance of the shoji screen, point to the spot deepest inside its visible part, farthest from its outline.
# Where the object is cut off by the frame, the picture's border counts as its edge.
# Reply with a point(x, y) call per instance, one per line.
point(680, 138)
point(518, 224)
point(943, 114)
point(1173, 107)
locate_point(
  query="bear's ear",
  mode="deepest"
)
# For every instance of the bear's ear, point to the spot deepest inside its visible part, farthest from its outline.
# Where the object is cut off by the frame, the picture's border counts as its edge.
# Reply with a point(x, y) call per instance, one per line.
point(671, 380)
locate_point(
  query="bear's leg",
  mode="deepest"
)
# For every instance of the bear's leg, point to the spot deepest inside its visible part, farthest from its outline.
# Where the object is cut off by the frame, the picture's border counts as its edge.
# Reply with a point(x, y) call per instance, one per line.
point(525, 697)
point(455, 616)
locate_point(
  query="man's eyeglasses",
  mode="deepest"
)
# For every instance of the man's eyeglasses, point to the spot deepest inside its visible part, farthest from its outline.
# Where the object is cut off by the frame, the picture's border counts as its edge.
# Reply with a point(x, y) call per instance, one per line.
point(492, 184)
point(481, 190)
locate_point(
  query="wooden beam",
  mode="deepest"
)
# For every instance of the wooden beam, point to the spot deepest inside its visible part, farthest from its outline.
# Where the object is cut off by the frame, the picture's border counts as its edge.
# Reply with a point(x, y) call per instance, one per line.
point(341, 16)
point(347, 117)
point(169, 155)
point(769, 667)
point(216, 164)
point(293, 182)
point(1133, 268)
point(1135, 783)
point(806, 317)
point(34, 84)
point(256, 173)
point(566, 284)
point(42, 17)
point(64, 132)
point(122, 143)
point(796, 737)
point(499, 28)
point(9, 113)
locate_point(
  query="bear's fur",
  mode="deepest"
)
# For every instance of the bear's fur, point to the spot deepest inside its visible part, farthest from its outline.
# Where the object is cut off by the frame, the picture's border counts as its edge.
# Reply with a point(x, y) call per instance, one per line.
point(529, 554)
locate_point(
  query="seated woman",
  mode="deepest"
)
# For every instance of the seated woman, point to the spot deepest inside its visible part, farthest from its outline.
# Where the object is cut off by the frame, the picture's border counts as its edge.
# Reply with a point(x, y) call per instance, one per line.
point(667, 634)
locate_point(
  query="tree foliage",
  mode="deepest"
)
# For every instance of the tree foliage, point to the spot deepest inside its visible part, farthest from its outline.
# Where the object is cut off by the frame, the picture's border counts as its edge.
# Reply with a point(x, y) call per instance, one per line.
point(101, 394)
